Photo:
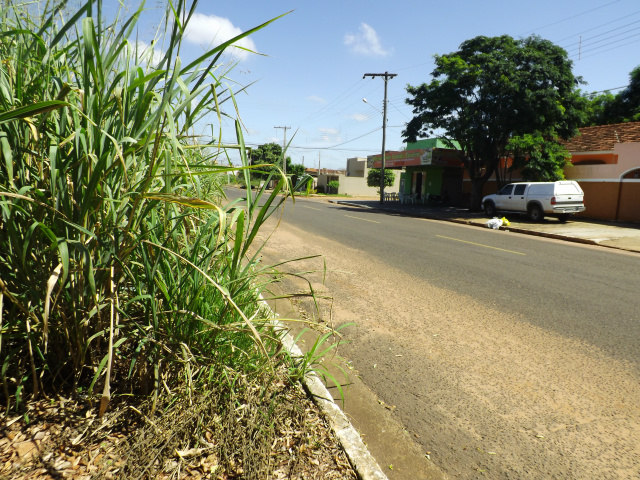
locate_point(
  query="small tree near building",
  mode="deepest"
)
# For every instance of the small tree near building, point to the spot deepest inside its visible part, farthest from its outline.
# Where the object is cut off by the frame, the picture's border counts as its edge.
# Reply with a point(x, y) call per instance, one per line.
point(269, 155)
point(333, 186)
point(373, 177)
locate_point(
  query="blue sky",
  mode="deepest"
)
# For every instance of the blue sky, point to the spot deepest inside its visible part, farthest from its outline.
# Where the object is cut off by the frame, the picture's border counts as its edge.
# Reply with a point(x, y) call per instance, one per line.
point(309, 75)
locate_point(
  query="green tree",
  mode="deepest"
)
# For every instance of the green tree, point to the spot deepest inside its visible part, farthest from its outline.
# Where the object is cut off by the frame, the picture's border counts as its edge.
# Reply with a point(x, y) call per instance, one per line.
point(295, 169)
point(492, 89)
point(599, 109)
point(297, 172)
point(630, 97)
point(537, 158)
point(333, 186)
point(269, 155)
point(373, 177)
point(607, 108)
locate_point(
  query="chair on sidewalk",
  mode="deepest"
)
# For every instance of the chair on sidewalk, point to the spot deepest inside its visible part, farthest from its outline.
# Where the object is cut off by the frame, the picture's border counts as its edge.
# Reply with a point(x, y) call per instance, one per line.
point(404, 198)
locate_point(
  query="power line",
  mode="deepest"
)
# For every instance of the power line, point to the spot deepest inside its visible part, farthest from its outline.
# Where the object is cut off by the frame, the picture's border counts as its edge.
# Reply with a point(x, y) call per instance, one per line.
point(571, 17)
point(586, 42)
point(607, 44)
point(352, 140)
point(597, 27)
point(600, 34)
point(609, 49)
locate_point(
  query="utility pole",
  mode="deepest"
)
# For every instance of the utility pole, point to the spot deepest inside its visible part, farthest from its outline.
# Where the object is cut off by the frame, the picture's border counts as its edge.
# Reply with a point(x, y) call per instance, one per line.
point(284, 146)
point(386, 76)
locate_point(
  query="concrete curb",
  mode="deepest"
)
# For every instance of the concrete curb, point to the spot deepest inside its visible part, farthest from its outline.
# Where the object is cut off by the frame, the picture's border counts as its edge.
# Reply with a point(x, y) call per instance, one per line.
point(361, 460)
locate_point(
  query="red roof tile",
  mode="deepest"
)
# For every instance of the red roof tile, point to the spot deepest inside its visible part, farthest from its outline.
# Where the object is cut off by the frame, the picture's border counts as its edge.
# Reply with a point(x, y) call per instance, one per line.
point(604, 137)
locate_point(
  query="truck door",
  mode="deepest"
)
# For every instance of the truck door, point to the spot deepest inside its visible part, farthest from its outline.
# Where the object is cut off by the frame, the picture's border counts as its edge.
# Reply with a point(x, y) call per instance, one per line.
point(517, 200)
point(503, 197)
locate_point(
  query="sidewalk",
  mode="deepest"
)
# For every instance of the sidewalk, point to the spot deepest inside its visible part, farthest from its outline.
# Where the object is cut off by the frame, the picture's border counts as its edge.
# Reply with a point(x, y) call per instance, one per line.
point(624, 236)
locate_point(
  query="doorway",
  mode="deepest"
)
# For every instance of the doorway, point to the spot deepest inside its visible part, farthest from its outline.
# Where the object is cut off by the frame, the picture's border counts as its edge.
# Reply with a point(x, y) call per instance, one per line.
point(418, 184)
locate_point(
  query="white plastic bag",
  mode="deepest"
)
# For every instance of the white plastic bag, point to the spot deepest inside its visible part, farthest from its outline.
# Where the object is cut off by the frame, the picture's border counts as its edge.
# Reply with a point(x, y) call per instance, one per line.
point(494, 223)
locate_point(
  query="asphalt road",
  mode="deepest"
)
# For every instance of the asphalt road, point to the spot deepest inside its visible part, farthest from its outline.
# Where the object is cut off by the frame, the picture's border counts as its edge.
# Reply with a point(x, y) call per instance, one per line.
point(505, 355)
point(590, 294)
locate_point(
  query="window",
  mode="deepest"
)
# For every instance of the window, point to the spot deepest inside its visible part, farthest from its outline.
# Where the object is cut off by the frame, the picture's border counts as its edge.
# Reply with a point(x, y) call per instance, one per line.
point(589, 162)
point(506, 190)
point(519, 190)
point(567, 189)
point(632, 174)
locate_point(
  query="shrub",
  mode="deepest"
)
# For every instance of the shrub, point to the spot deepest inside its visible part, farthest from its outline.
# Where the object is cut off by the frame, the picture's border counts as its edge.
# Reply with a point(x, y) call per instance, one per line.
point(373, 177)
point(333, 186)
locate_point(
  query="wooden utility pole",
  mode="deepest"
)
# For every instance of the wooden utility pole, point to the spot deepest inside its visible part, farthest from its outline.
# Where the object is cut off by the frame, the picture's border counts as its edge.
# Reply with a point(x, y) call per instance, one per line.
point(284, 146)
point(386, 76)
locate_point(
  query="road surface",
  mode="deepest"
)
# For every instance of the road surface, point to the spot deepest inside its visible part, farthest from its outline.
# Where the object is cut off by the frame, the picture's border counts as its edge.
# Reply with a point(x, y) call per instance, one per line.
point(507, 356)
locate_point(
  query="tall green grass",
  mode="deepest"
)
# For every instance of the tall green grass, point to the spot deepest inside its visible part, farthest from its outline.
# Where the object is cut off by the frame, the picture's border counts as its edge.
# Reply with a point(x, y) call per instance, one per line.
point(119, 269)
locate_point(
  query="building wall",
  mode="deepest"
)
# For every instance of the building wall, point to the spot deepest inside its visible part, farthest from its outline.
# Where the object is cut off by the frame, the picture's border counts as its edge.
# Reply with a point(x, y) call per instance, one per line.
point(607, 195)
point(629, 204)
point(357, 167)
point(357, 186)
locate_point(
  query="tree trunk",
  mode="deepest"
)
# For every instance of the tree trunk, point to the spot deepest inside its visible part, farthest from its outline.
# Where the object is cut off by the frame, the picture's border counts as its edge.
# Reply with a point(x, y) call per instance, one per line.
point(475, 202)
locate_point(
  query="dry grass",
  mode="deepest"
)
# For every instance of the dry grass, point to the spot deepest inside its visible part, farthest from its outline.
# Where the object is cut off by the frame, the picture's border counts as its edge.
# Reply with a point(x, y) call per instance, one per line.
point(263, 428)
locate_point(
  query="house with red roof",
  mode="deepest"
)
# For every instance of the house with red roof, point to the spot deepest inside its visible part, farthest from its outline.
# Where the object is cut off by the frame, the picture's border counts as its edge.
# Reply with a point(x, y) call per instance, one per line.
point(605, 161)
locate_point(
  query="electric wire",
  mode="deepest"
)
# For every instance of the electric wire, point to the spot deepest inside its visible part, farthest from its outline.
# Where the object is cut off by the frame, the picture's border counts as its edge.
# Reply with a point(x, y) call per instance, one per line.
point(595, 28)
point(570, 18)
point(591, 44)
point(586, 39)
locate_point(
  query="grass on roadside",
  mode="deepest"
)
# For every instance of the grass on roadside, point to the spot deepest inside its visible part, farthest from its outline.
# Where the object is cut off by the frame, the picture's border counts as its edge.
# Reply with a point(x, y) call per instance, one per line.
point(122, 271)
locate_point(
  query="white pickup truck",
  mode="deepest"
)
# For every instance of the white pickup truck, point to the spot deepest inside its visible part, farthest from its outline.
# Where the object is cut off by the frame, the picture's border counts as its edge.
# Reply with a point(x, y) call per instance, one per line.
point(560, 199)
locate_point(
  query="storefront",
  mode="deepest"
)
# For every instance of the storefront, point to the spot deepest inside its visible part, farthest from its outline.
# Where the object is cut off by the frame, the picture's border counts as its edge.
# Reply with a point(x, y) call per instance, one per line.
point(431, 171)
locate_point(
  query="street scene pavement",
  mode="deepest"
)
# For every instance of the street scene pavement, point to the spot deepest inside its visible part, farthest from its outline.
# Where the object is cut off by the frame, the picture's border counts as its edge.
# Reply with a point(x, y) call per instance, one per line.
point(624, 236)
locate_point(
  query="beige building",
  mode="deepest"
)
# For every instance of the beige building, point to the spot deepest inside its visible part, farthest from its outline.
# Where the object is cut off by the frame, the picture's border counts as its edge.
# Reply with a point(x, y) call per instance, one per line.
point(353, 180)
point(605, 161)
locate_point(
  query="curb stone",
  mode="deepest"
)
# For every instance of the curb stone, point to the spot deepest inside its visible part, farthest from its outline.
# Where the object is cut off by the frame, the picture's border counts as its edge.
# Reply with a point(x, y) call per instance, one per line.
point(363, 463)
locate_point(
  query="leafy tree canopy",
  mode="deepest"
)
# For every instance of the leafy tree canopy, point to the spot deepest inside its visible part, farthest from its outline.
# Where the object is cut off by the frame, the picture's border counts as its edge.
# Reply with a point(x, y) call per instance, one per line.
point(492, 89)
point(373, 177)
point(607, 108)
point(295, 169)
point(537, 158)
point(333, 186)
point(268, 154)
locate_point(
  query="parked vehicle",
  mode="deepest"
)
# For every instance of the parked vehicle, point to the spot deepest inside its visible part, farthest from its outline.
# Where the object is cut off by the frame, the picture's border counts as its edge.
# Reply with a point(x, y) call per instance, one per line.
point(537, 199)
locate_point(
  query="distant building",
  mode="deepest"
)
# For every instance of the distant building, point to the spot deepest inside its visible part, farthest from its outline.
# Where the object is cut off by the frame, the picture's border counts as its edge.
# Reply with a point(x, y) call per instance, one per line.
point(432, 169)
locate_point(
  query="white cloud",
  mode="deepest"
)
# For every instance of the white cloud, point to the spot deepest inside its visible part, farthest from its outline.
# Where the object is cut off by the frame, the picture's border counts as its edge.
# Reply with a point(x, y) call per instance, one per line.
point(210, 31)
point(329, 131)
point(359, 117)
point(315, 98)
point(366, 42)
point(330, 135)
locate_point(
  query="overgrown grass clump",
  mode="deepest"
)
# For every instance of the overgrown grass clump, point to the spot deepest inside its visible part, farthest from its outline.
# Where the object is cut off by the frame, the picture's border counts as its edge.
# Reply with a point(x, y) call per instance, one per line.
point(119, 269)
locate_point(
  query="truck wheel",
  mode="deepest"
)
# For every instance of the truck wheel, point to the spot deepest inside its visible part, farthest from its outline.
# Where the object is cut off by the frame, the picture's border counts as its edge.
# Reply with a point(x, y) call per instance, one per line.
point(563, 217)
point(490, 209)
point(535, 213)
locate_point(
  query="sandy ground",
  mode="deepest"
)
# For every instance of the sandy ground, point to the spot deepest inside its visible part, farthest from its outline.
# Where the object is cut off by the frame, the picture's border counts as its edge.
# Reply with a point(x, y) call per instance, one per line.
point(486, 394)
